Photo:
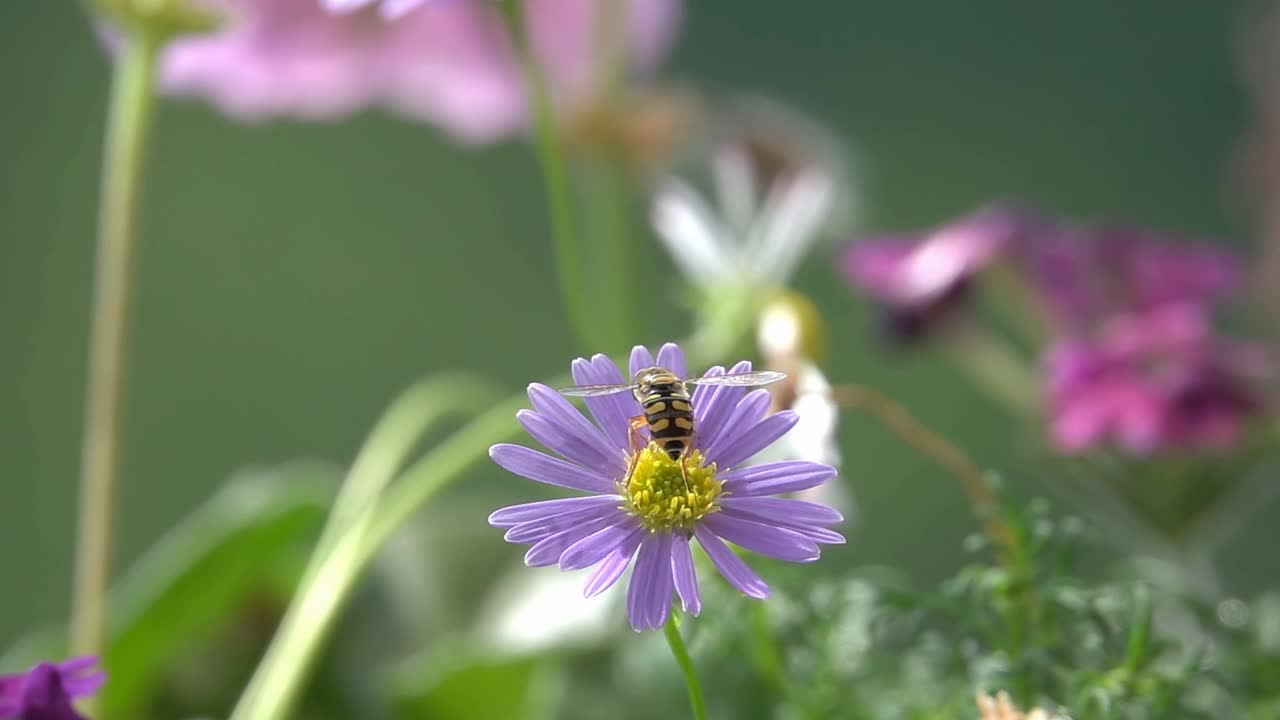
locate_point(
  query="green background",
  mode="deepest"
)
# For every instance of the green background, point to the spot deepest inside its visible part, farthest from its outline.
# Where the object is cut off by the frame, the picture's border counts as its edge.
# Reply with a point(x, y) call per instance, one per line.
point(296, 277)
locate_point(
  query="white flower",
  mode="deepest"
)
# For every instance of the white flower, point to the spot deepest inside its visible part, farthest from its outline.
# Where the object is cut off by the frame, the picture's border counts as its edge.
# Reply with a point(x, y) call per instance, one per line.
point(777, 187)
point(789, 332)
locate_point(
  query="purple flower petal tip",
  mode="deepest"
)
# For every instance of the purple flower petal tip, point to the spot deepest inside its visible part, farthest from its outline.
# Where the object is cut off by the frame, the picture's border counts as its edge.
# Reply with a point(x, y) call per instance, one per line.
point(46, 691)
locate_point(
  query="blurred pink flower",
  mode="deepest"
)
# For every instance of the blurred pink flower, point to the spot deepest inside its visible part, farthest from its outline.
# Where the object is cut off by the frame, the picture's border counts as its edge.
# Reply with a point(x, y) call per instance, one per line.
point(446, 62)
point(1150, 381)
point(1086, 274)
point(919, 279)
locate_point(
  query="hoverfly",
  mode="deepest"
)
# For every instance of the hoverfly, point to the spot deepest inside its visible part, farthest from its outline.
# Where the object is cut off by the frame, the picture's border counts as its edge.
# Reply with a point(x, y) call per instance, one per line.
point(668, 410)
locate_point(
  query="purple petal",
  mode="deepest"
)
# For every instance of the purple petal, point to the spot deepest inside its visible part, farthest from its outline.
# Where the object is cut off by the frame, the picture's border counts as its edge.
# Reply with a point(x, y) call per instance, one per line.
point(671, 357)
point(820, 535)
point(658, 601)
point(776, 478)
point(791, 512)
point(642, 580)
point(641, 358)
point(540, 467)
point(759, 437)
point(571, 446)
point(80, 676)
point(745, 416)
point(612, 412)
point(685, 578)
point(44, 695)
point(538, 530)
point(511, 516)
point(608, 572)
point(730, 565)
point(806, 523)
point(596, 547)
point(713, 403)
point(548, 550)
point(769, 540)
point(702, 393)
point(556, 407)
point(874, 265)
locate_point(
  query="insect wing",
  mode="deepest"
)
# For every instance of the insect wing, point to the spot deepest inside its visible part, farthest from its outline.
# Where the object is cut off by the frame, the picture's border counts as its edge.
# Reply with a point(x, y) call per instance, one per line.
point(747, 379)
point(594, 390)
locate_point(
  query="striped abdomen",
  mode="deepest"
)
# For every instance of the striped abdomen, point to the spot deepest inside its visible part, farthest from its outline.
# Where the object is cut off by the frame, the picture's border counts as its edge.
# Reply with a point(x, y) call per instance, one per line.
point(670, 417)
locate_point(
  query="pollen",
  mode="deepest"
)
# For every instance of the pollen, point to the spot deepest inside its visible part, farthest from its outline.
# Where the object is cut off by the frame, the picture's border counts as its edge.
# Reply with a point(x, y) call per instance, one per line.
point(663, 497)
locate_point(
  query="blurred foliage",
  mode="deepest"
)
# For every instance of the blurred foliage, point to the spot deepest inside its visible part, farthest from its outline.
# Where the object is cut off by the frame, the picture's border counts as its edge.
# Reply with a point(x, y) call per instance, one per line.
point(296, 276)
point(870, 647)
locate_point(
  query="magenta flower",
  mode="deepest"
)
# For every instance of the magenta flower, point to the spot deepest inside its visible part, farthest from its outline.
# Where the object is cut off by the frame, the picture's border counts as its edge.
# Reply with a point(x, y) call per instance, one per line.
point(651, 515)
point(448, 62)
point(1152, 381)
point(45, 692)
point(1087, 274)
point(918, 280)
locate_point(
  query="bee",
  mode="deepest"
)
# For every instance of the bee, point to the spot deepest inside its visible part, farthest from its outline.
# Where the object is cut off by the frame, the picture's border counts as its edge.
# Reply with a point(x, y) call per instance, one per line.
point(668, 409)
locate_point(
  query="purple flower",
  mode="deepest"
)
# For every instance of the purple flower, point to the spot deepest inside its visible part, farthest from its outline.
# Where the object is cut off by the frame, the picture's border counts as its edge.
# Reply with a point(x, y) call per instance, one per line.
point(45, 691)
point(448, 62)
point(1152, 381)
point(919, 279)
point(1087, 274)
point(651, 515)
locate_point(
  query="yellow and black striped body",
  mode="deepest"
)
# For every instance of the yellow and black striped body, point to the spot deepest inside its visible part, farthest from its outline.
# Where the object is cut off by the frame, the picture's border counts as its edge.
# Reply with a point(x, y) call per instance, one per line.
point(667, 410)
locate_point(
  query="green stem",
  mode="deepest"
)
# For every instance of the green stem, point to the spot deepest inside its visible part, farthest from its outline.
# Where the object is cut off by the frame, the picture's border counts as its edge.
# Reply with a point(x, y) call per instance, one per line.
point(422, 480)
point(608, 182)
point(672, 631)
point(346, 548)
point(993, 366)
point(607, 196)
point(128, 126)
point(724, 321)
point(555, 178)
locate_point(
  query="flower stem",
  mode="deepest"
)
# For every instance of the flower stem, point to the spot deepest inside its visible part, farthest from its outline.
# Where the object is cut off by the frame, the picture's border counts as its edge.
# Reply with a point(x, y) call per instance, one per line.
point(128, 125)
point(607, 183)
point(672, 631)
point(555, 177)
point(955, 461)
point(995, 368)
point(341, 553)
point(606, 195)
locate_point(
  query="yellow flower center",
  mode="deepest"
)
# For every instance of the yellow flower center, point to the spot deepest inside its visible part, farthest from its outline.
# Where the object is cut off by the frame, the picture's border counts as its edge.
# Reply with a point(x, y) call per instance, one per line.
point(665, 498)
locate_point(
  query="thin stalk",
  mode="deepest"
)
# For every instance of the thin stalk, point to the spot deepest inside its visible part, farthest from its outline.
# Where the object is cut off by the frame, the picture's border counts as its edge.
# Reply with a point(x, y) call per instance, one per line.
point(607, 198)
point(555, 178)
point(434, 471)
point(128, 127)
point(678, 649)
point(993, 366)
point(340, 556)
point(608, 182)
point(893, 416)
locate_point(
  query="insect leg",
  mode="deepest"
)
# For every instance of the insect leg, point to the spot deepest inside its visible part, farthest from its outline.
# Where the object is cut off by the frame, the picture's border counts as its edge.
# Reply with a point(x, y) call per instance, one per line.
point(633, 431)
point(684, 458)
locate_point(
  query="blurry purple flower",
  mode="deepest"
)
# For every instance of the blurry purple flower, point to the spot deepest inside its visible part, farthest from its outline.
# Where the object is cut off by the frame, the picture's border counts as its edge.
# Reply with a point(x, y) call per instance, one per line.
point(45, 691)
point(1152, 381)
point(651, 515)
point(1086, 275)
point(919, 279)
point(448, 62)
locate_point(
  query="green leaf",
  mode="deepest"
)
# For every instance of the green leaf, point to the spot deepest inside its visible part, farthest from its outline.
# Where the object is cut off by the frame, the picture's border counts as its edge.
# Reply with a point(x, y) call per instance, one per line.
point(450, 689)
point(197, 576)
